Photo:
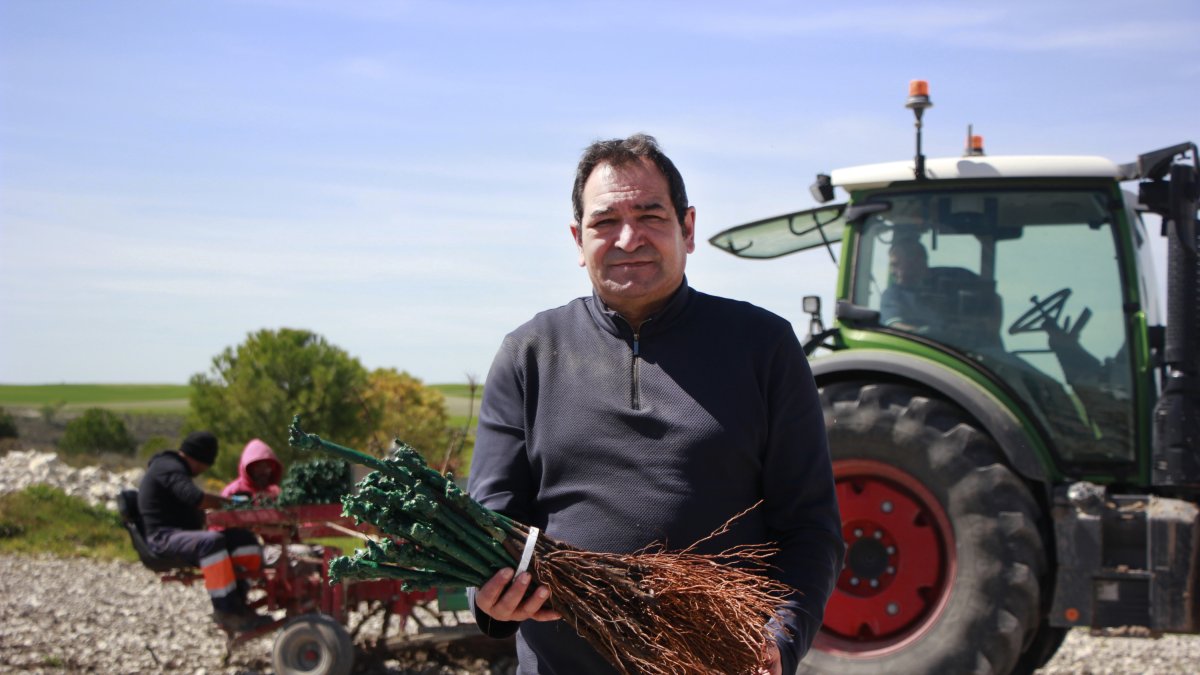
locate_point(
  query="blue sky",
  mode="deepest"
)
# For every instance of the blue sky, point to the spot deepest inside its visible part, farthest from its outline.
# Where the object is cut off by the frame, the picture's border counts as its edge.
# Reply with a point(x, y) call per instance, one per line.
point(396, 175)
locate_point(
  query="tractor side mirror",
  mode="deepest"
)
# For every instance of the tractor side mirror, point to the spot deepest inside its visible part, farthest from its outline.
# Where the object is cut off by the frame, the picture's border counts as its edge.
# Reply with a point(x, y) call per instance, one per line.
point(822, 190)
point(812, 307)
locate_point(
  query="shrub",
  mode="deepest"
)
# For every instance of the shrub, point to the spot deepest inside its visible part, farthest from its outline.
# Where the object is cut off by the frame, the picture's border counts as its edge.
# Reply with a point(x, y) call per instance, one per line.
point(8, 425)
point(50, 411)
point(154, 445)
point(399, 406)
point(43, 520)
point(97, 430)
point(253, 390)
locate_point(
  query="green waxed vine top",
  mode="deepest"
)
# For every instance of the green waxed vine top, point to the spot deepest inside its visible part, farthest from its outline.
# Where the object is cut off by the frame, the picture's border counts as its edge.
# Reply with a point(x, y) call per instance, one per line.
point(443, 536)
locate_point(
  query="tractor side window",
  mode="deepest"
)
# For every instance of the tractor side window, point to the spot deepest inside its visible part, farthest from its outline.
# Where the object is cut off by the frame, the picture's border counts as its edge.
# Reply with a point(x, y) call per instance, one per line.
point(1027, 284)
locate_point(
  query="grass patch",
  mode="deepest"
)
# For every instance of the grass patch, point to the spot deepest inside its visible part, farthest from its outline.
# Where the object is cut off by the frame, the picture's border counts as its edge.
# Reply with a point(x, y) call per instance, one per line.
point(345, 544)
point(457, 421)
point(92, 394)
point(458, 390)
point(45, 520)
point(175, 407)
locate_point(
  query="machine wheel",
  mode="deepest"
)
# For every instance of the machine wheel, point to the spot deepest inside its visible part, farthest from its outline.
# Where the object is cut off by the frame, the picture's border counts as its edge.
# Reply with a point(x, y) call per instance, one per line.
point(313, 644)
point(944, 560)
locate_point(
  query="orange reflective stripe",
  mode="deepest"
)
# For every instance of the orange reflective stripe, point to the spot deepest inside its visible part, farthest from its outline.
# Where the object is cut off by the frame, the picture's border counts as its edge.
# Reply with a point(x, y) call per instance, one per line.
point(218, 576)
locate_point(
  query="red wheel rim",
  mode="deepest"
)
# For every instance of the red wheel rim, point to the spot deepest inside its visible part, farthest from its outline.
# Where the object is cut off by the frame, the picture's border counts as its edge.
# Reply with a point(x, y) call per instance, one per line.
point(899, 561)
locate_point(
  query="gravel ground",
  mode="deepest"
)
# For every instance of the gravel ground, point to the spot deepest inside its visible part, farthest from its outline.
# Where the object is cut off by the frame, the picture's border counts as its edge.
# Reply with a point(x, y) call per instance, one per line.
point(80, 616)
point(1084, 654)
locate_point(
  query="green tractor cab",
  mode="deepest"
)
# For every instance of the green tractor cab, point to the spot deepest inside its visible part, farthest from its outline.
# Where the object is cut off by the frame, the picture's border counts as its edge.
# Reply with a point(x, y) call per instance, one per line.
point(1012, 418)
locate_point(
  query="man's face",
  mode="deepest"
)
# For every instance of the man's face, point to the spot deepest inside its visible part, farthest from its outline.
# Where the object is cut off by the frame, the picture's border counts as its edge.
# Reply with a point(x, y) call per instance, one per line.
point(906, 267)
point(630, 240)
point(194, 465)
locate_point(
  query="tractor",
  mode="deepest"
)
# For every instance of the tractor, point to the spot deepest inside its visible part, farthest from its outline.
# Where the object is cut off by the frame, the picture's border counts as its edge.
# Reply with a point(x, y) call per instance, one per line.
point(1013, 421)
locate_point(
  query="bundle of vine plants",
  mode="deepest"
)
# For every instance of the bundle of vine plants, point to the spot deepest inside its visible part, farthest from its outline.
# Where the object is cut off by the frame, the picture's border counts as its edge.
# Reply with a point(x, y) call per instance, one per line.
point(317, 481)
point(652, 612)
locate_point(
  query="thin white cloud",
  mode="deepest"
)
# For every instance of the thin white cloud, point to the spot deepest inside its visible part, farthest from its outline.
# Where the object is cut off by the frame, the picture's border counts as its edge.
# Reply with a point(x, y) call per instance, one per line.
point(369, 10)
point(1028, 27)
point(1114, 38)
point(854, 24)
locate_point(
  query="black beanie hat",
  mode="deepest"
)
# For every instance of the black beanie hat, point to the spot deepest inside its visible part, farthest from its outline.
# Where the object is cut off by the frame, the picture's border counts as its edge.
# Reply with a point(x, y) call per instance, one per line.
point(200, 446)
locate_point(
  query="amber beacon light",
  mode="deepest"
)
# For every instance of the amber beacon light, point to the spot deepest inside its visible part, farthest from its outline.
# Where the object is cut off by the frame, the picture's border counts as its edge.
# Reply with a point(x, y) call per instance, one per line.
point(918, 101)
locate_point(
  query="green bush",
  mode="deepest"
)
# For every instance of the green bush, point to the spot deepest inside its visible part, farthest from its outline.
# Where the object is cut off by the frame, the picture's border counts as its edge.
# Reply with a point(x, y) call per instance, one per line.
point(154, 445)
point(97, 430)
point(8, 425)
point(50, 411)
point(42, 520)
point(254, 389)
point(229, 458)
point(400, 406)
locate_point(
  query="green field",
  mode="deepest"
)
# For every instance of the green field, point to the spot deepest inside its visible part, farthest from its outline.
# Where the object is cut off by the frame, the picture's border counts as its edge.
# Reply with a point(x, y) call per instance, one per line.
point(172, 399)
point(458, 390)
point(74, 395)
point(91, 394)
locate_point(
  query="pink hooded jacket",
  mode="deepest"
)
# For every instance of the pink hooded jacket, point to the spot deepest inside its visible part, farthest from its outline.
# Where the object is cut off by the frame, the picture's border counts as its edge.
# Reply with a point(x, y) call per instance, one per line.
point(255, 451)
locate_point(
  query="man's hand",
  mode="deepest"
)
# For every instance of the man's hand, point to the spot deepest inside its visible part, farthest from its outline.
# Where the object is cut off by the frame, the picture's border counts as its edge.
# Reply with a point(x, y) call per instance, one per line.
point(772, 665)
point(504, 601)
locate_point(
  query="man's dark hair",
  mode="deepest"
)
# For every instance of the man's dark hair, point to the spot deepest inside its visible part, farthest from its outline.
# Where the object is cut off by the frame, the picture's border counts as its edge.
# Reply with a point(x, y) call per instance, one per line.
point(620, 152)
point(910, 247)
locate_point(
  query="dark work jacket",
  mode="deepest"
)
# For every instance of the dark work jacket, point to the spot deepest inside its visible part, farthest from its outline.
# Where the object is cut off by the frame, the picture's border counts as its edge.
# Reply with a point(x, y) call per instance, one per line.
point(611, 441)
point(167, 498)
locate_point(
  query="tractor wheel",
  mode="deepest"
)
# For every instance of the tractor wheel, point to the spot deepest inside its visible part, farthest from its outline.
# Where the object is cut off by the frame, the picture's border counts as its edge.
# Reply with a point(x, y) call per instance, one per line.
point(313, 644)
point(1045, 643)
point(944, 558)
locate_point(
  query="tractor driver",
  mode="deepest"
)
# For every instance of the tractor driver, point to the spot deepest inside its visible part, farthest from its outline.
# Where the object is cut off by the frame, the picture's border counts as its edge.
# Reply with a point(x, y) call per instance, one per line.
point(903, 304)
point(950, 304)
point(172, 511)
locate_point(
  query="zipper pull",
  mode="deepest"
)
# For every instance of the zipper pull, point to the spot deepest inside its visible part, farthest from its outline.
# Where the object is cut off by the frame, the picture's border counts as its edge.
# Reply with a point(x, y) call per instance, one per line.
point(635, 344)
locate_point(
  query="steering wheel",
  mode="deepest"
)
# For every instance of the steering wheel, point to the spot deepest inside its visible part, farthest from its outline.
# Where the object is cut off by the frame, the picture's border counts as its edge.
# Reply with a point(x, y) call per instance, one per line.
point(1044, 311)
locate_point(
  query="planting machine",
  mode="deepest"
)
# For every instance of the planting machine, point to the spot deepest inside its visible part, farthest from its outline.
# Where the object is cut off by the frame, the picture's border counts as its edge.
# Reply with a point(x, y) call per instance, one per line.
point(313, 634)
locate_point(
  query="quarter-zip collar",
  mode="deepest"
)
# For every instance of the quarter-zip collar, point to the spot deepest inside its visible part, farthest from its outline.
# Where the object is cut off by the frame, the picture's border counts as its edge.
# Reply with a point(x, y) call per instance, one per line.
point(612, 322)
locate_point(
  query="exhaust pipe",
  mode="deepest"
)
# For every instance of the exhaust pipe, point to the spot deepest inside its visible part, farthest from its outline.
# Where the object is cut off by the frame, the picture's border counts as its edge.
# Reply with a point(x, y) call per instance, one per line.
point(1176, 430)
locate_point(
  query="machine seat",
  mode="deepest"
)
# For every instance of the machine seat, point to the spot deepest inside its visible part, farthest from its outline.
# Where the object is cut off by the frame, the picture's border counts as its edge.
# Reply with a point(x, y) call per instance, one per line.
point(131, 518)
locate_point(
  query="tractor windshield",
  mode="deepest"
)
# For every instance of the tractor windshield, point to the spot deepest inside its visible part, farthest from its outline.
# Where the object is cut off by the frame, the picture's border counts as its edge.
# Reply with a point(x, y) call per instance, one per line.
point(1027, 283)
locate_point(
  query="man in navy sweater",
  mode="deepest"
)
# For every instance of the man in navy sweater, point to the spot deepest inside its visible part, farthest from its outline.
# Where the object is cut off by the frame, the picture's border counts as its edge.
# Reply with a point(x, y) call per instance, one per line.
point(651, 412)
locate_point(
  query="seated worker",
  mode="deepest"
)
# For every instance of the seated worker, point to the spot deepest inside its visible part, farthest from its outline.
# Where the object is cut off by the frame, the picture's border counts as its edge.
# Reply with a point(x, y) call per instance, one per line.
point(259, 472)
point(904, 303)
point(172, 512)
